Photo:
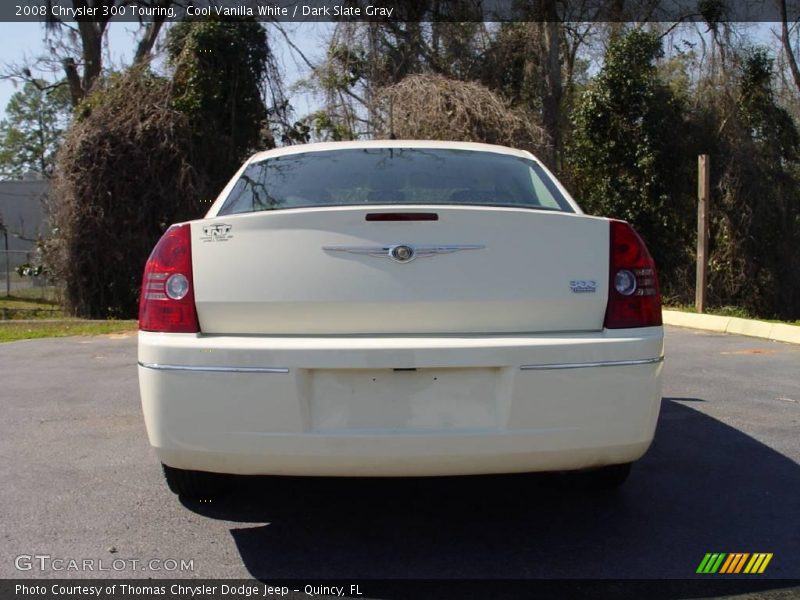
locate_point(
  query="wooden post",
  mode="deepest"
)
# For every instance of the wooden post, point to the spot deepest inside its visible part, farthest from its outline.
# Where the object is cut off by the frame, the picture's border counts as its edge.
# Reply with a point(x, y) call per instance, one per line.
point(8, 258)
point(703, 200)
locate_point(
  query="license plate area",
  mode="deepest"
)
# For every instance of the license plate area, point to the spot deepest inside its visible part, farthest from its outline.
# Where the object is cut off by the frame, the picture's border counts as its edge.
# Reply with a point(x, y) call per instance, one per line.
point(388, 399)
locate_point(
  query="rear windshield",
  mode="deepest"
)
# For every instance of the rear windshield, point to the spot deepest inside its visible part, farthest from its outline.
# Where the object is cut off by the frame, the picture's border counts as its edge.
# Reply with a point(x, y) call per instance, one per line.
point(393, 176)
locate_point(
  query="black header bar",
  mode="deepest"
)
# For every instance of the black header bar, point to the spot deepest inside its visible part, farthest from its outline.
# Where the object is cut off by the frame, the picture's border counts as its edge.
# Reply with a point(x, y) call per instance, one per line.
point(401, 10)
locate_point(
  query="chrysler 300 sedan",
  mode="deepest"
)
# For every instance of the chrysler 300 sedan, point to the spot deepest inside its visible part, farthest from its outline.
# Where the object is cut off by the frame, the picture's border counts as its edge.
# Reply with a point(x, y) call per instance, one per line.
point(398, 308)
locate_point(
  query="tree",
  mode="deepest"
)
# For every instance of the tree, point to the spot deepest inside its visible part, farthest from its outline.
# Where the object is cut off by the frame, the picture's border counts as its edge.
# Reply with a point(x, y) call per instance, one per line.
point(147, 151)
point(76, 48)
point(122, 177)
point(755, 150)
point(220, 68)
point(364, 58)
point(629, 155)
point(30, 134)
point(84, 64)
point(530, 62)
point(524, 63)
point(786, 43)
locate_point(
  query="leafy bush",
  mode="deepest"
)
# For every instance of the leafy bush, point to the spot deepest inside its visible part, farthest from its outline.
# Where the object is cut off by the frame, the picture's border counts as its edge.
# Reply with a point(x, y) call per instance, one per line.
point(628, 156)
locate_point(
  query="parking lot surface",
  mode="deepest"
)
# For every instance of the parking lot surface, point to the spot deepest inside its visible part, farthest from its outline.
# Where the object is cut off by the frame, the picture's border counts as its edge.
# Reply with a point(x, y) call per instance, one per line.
point(80, 482)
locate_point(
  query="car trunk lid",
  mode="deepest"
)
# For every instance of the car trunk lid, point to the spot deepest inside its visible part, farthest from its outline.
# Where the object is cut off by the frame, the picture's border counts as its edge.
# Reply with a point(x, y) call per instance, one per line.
point(400, 270)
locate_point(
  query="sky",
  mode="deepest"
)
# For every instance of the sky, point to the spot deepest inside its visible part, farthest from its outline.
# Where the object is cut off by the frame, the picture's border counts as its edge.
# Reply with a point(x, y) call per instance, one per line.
point(19, 41)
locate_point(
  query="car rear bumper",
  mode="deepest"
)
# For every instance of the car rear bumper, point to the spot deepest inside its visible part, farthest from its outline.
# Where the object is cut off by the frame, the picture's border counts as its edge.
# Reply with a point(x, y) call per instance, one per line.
point(400, 406)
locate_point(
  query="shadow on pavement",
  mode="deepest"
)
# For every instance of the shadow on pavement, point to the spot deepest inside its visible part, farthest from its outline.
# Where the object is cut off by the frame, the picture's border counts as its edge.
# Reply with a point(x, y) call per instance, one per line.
point(702, 487)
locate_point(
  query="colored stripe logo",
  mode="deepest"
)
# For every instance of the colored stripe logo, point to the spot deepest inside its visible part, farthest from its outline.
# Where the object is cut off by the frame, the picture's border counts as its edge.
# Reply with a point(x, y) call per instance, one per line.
point(733, 563)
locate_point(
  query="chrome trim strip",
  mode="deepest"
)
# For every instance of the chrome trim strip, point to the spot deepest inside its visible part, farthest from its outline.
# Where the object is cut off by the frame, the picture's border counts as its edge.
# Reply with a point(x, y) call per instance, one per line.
point(605, 363)
point(416, 251)
point(210, 369)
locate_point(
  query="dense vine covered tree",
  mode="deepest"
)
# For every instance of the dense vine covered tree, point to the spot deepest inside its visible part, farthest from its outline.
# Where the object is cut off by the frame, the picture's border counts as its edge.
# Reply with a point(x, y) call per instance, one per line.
point(628, 155)
point(146, 151)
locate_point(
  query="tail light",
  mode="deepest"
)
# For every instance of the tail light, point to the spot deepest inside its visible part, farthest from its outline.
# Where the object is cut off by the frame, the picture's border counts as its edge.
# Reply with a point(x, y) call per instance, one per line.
point(634, 299)
point(167, 299)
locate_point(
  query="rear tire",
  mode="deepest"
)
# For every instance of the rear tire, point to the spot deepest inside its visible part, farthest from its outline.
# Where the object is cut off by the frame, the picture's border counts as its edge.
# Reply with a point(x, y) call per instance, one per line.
point(198, 485)
point(604, 478)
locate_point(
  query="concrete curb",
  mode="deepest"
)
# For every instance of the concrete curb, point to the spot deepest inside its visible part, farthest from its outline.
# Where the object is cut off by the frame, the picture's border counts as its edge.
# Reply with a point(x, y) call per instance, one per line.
point(779, 332)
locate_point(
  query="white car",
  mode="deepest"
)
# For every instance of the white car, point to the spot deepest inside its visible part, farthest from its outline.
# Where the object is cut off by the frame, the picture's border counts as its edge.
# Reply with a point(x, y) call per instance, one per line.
point(398, 308)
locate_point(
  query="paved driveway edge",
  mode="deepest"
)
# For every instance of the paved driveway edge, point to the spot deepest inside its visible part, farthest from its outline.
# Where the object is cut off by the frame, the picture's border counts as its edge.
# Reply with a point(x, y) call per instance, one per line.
point(779, 332)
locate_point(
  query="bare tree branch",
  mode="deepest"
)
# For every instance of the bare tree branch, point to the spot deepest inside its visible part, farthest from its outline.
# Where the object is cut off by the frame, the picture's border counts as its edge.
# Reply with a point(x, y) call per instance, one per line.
point(293, 46)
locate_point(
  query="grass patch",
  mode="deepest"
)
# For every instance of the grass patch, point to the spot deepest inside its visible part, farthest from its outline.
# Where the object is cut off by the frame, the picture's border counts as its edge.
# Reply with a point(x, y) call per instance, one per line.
point(11, 331)
point(26, 302)
point(24, 306)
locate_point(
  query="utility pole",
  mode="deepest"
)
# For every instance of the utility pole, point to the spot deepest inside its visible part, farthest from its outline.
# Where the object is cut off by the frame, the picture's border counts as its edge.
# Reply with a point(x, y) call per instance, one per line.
point(703, 200)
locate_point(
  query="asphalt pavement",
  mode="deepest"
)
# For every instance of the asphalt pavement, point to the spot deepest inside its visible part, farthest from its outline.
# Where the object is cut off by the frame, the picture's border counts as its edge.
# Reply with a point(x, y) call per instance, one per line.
point(81, 482)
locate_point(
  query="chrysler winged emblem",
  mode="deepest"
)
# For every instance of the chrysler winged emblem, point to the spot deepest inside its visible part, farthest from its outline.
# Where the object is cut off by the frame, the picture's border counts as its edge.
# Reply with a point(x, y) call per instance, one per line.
point(403, 253)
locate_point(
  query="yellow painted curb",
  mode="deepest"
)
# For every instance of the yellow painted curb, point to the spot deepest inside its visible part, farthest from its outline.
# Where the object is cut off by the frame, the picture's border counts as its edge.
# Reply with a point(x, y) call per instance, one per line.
point(785, 333)
point(779, 332)
point(759, 329)
point(695, 321)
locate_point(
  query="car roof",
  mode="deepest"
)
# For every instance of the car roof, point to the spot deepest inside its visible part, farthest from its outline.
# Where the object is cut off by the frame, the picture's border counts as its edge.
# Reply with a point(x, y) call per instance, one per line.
point(327, 146)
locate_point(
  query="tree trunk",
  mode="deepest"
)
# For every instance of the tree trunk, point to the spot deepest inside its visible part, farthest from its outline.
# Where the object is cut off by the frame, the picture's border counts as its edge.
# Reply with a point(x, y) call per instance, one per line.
point(91, 34)
point(145, 45)
point(74, 81)
point(551, 85)
point(787, 46)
